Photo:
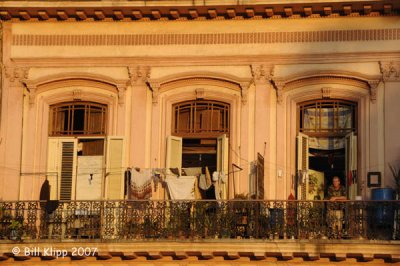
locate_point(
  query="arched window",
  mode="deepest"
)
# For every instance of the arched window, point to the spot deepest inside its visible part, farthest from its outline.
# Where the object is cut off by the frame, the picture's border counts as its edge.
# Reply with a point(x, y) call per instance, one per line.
point(327, 118)
point(326, 147)
point(77, 119)
point(200, 118)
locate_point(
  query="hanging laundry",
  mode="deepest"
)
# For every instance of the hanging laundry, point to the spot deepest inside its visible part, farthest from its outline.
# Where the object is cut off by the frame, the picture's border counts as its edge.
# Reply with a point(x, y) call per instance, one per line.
point(181, 188)
point(192, 171)
point(141, 184)
point(158, 176)
point(205, 180)
point(127, 180)
point(197, 193)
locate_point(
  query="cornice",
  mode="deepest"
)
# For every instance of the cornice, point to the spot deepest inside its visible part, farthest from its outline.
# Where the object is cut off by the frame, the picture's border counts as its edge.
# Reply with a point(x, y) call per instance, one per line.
point(327, 252)
point(183, 10)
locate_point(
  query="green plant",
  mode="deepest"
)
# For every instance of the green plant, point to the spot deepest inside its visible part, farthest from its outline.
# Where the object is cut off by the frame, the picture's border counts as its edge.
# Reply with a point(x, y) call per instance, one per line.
point(15, 225)
point(396, 177)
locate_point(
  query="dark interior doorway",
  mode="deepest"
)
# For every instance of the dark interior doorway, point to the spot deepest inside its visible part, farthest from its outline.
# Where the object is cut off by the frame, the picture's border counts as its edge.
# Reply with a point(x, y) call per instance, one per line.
point(331, 163)
point(200, 153)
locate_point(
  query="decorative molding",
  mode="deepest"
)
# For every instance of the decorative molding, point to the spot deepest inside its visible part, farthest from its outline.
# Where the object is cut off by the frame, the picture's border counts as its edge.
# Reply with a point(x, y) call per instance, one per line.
point(262, 73)
point(188, 10)
point(369, 83)
point(326, 92)
point(75, 79)
point(200, 93)
point(139, 74)
point(16, 75)
point(77, 95)
point(279, 86)
point(204, 77)
point(373, 87)
point(244, 86)
point(390, 70)
point(155, 88)
point(205, 38)
point(32, 93)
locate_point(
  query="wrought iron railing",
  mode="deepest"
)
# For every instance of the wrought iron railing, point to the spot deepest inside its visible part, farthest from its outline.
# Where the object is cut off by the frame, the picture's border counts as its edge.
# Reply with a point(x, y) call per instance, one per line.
point(140, 220)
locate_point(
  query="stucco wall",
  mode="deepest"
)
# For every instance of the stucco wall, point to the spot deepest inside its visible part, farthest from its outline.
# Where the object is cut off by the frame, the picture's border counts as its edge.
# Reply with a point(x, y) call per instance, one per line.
point(340, 53)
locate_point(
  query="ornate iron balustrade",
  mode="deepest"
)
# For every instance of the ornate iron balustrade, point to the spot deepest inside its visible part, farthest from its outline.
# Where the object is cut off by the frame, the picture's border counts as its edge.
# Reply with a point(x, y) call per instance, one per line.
point(140, 220)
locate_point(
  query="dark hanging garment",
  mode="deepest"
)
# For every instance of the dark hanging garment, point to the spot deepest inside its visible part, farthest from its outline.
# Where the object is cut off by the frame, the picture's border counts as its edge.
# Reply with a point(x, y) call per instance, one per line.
point(44, 193)
point(51, 206)
point(127, 182)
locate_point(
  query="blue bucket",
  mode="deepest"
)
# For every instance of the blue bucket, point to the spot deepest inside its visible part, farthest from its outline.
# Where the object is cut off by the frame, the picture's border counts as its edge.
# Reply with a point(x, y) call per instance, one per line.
point(384, 214)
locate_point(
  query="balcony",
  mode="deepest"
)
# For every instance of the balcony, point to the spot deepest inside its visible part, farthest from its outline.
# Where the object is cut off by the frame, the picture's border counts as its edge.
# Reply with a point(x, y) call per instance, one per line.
point(217, 231)
point(199, 220)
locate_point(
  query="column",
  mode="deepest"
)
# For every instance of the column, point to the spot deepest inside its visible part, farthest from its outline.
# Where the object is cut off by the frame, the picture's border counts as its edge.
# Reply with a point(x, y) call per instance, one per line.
point(264, 124)
point(140, 117)
point(11, 131)
point(391, 78)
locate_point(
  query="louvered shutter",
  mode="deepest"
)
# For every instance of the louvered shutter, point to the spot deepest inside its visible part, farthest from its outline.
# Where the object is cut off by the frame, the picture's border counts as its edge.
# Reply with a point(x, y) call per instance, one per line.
point(68, 165)
point(61, 165)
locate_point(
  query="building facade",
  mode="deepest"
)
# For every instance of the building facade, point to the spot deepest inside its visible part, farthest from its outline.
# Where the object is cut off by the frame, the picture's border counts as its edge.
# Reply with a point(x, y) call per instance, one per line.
point(90, 89)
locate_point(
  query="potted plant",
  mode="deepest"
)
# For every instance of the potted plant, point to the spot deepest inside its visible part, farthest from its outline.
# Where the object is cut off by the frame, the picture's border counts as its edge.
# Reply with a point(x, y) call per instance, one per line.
point(15, 230)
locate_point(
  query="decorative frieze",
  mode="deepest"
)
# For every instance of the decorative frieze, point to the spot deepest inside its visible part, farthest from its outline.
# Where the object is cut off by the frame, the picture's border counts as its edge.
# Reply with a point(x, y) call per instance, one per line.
point(205, 38)
point(390, 71)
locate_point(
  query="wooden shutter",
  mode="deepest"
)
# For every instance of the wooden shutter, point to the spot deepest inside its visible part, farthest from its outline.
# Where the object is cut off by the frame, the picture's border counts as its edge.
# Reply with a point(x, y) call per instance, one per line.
point(223, 160)
point(260, 177)
point(302, 166)
point(174, 152)
point(115, 168)
point(61, 165)
point(53, 166)
point(68, 166)
point(351, 164)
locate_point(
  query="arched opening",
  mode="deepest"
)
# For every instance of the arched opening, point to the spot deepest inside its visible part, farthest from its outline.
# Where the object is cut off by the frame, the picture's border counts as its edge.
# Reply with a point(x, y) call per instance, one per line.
point(326, 147)
point(199, 143)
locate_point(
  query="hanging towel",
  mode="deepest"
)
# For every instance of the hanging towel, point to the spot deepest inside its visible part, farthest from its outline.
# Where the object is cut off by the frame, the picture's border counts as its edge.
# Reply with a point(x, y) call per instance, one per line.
point(192, 171)
point(181, 188)
point(141, 184)
point(197, 194)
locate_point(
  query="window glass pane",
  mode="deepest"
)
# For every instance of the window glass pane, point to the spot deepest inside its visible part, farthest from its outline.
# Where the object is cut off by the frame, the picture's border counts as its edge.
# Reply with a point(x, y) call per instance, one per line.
point(327, 117)
point(201, 117)
point(77, 118)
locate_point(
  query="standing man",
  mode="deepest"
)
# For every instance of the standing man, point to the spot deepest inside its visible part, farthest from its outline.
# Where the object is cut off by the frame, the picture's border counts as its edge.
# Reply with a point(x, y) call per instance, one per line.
point(336, 192)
